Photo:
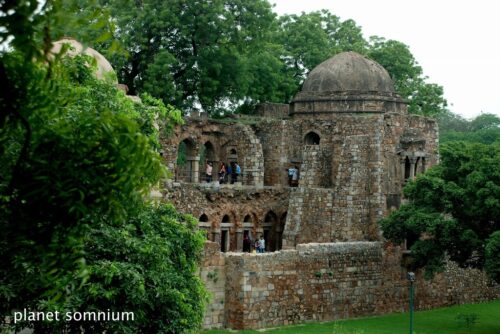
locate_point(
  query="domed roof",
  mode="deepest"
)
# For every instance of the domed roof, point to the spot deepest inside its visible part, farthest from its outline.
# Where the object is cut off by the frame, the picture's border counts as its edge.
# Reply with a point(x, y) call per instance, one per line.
point(104, 68)
point(348, 72)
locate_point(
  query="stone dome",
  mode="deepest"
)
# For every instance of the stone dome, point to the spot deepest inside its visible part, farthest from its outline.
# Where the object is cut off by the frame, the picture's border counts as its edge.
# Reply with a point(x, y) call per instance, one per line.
point(348, 72)
point(104, 68)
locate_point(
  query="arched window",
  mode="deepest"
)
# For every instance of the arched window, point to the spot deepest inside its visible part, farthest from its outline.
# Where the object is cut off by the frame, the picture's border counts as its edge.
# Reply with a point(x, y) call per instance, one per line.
point(207, 153)
point(312, 138)
point(204, 225)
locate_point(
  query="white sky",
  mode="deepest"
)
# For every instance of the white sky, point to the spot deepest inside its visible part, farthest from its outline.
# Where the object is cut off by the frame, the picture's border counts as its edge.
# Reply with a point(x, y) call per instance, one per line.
point(456, 42)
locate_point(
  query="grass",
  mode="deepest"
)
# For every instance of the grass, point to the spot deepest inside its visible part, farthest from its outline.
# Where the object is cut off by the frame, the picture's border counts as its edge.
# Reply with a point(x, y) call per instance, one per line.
point(437, 321)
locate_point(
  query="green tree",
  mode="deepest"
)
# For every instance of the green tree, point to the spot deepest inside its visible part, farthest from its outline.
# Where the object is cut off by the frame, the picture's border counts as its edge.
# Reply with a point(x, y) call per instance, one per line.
point(311, 38)
point(424, 98)
point(77, 159)
point(194, 53)
point(492, 255)
point(148, 266)
point(484, 128)
point(453, 208)
point(449, 121)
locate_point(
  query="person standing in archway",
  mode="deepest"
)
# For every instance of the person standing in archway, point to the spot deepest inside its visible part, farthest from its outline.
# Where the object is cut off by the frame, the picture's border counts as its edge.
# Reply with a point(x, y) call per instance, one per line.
point(237, 171)
point(295, 177)
point(262, 244)
point(222, 172)
point(246, 243)
point(208, 172)
point(291, 171)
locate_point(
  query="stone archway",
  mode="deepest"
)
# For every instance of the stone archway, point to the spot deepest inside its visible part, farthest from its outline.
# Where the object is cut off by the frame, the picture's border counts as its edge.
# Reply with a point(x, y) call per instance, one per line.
point(269, 230)
point(208, 155)
point(250, 230)
point(228, 234)
point(187, 161)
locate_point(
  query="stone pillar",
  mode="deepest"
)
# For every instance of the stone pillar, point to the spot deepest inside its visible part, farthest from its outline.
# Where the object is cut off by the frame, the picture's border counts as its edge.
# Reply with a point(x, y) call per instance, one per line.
point(216, 236)
point(239, 239)
point(195, 174)
point(422, 164)
point(413, 161)
point(402, 160)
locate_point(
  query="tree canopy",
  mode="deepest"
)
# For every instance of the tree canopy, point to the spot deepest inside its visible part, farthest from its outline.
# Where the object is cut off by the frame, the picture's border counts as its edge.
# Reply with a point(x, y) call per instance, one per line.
point(77, 161)
point(453, 209)
point(217, 55)
point(484, 128)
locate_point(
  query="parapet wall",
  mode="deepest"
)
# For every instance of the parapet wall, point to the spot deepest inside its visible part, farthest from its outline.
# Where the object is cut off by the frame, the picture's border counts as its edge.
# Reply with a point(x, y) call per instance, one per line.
point(314, 282)
point(331, 281)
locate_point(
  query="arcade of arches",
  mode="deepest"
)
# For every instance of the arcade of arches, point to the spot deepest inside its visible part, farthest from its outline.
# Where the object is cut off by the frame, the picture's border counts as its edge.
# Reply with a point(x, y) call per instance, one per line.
point(232, 229)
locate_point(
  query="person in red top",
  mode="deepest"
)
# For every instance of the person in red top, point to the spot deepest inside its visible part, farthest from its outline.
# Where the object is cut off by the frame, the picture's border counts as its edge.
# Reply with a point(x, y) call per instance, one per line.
point(222, 172)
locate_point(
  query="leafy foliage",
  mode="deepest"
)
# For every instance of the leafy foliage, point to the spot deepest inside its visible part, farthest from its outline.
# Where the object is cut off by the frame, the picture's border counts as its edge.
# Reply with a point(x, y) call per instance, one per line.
point(219, 55)
point(484, 128)
point(311, 38)
point(148, 266)
point(492, 254)
point(453, 208)
point(76, 160)
point(423, 98)
point(194, 53)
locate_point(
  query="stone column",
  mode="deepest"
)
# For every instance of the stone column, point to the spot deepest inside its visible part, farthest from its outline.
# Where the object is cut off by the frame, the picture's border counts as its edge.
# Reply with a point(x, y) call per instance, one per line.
point(239, 239)
point(216, 236)
point(195, 174)
point(402, 160)
point(413, 161)
point(422, 164)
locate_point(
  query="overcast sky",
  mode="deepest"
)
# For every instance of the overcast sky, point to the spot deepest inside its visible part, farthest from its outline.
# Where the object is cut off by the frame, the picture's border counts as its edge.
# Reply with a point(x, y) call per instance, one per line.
point(455, 42)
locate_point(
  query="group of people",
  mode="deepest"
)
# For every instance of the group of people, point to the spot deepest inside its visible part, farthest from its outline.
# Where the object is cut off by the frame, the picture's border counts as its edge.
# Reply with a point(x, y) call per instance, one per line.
point(293, 176)
point(259, 245)
point(231, 170)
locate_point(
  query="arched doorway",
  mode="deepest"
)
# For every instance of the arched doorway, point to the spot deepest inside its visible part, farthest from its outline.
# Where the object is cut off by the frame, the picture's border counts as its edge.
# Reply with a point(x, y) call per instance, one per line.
point(187, 162)
point(269, 231)
point(407, 171)
point(208, 155)
point(227, 242)
point(249, 231)
point(312, 138)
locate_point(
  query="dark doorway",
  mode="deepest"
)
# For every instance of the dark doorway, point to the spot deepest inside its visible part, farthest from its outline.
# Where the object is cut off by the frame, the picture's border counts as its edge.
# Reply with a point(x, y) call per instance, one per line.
point(312, 138)
point(223, 241)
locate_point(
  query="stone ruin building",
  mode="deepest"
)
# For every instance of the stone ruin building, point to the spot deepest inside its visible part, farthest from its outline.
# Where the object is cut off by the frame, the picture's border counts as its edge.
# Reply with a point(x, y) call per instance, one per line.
point(355, 145)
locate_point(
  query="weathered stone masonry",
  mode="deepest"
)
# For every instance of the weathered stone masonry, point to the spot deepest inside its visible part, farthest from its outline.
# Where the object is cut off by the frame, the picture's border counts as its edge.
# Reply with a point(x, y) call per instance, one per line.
point(355, 145)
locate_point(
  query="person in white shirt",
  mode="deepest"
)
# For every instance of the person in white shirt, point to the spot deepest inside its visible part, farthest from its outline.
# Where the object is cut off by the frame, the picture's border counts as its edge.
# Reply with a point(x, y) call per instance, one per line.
point(208, 172)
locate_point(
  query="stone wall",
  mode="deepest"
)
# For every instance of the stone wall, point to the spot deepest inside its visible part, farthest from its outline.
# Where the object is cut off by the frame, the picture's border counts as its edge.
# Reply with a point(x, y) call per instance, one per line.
point(334, 281)
point(273, 110)
point(244, 208)
point(213, 274)
point(309, 219)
